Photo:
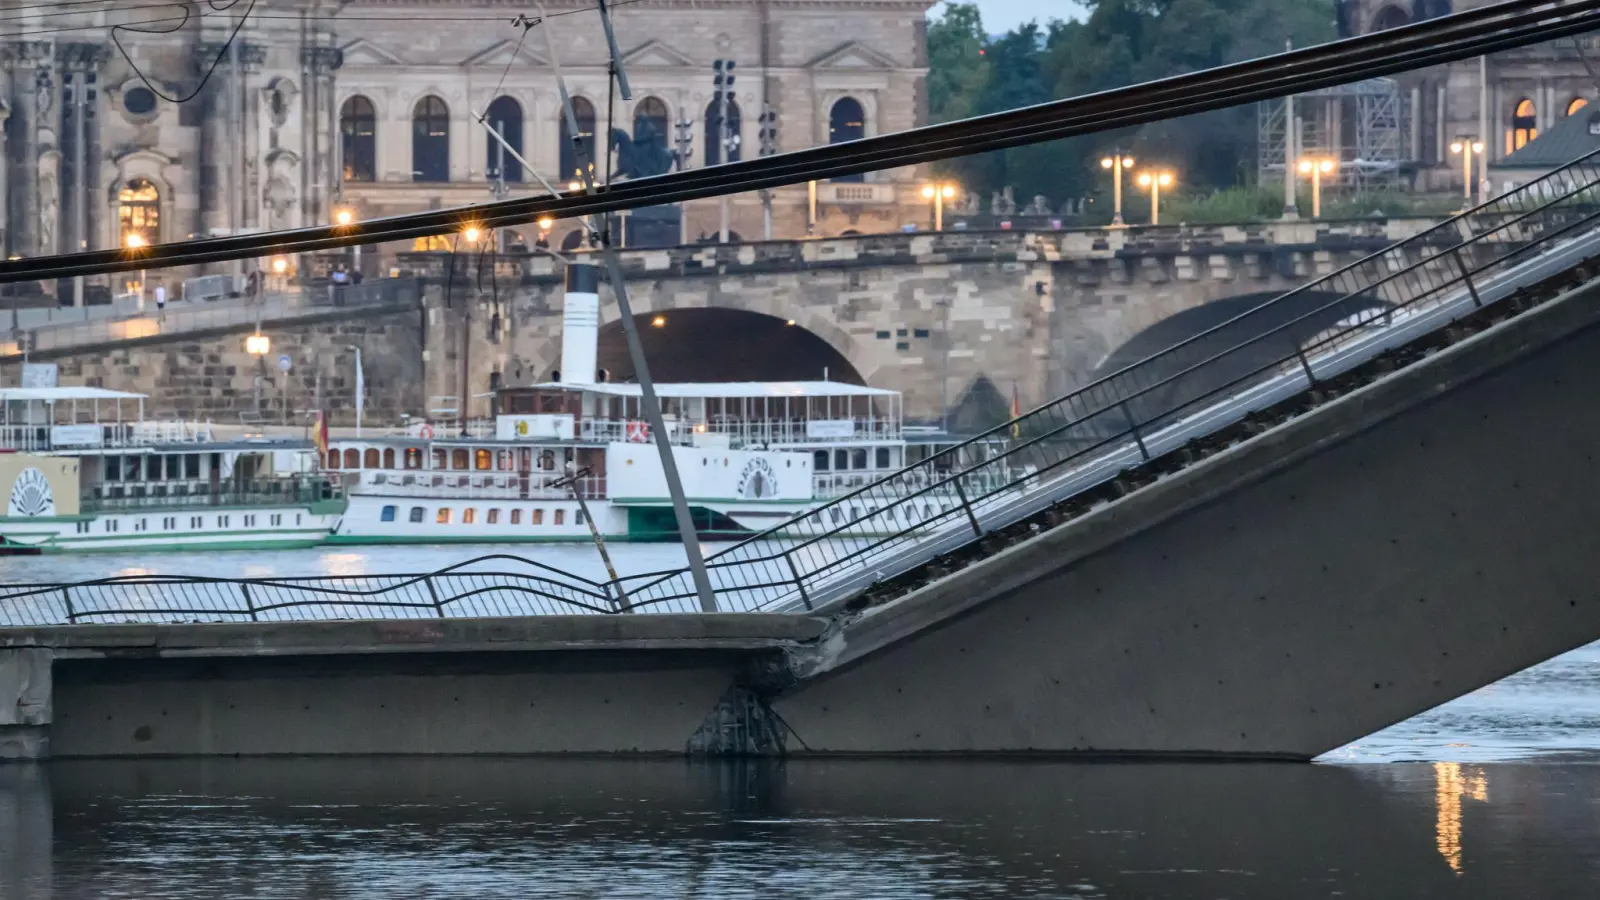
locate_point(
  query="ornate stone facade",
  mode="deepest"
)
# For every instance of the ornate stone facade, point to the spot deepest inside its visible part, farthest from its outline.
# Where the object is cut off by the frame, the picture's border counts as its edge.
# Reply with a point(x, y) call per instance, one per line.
point(1527, 90)
point(375, 104)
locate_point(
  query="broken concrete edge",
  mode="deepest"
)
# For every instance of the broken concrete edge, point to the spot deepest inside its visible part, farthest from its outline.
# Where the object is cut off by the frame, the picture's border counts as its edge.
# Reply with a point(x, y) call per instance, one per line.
point(693, 631)
point(853, 636)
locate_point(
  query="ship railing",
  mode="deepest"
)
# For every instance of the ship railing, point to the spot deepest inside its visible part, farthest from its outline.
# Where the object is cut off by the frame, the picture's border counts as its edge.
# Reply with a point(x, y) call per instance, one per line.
point(66, 437)
point(623, 431)
point(766, 432)
point(471, 486)
point(827, 485)
point(290, 490)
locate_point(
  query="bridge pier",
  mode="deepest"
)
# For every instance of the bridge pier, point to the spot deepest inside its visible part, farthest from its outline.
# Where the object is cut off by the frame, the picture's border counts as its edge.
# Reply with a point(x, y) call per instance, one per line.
point(26, 689)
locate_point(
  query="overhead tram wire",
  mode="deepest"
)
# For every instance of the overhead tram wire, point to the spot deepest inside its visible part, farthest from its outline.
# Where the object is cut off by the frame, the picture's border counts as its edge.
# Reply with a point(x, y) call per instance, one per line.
point(1459, 36)
point(1103, 111)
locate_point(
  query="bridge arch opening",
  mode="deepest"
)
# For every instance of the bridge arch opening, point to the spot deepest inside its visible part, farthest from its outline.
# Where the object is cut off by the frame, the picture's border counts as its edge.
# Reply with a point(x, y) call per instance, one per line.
point(710, 344)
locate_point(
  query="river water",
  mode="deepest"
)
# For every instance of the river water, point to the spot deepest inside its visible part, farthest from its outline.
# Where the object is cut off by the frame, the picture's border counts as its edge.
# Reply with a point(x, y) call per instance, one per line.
point(1495, 795)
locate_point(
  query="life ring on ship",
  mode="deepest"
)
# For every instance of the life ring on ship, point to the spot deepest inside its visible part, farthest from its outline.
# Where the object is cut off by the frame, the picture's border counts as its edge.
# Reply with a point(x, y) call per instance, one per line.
point(637, 432)
point(426, 430)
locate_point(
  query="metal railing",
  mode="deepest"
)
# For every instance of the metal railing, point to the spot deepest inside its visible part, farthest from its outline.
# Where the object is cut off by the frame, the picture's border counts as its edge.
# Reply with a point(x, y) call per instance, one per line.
point(1268, 354)
point(64, 436)
point(202, 316)
point(465, 486)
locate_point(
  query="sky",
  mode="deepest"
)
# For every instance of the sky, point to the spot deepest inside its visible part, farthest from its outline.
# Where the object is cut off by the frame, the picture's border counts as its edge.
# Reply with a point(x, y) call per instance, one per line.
point(1000, 16)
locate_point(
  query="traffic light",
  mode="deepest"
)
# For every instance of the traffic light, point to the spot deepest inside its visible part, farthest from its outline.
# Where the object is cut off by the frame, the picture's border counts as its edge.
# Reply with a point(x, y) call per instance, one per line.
point(722, 81)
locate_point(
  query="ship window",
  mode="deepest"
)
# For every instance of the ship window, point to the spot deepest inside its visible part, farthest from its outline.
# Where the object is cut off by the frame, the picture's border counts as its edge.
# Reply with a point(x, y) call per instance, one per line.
point(388, 458)
point(387, 515)
point(174, 467)
point(352, 459)
point(561, 517)
point(152, 468)
point(822, 460)
point(502, 460)
point(195, 522)
point(833, 514)
point(493, 517)
point(333, 459)
point(372, 458)
point(277, 520)
point(516, 517)
point(443, 517)
point(484, 460)
point(469, 516)
point(191, 465)
point(547, 460)
point(858, 459)
point(538, 517)
point(458, 459)
point(222, 521)
point(416, 514)
point(883, 457)
point(841, 459)
point(439, 458)
point(113, 468)
point(577, 518)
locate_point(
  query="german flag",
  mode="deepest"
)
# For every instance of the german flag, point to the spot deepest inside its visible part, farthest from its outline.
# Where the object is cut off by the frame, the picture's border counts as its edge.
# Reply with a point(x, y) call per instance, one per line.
point(319, 434)
point(1016, 413)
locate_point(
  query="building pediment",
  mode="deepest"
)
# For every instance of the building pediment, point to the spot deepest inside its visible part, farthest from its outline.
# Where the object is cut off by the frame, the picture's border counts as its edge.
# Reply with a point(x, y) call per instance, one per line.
point(362, 52)
point(653, 54)
point(501, 54)
point(852, 55)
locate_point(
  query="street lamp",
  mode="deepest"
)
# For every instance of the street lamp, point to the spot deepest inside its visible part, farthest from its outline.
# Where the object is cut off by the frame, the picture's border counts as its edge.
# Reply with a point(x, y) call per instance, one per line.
point(659, 321)
point(1316, 168)
point(135, 242)
point(361, 387)
point(471, 233)
point(1155, 181)
point(344, 217)
point(258, 345)
point(1116, 164)
point(938, 193)
point(1465, 147)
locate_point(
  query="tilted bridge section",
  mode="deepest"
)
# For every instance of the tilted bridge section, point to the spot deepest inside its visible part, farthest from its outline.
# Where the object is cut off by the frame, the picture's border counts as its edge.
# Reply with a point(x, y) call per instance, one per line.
point(1062, 459)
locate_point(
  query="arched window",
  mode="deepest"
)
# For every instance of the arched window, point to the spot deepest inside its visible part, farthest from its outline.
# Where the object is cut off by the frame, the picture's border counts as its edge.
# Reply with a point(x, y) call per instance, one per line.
point(333, 459)
point(651, 122)
point(847, 121)
point(714, 133)
point(372, 457)
point(358, 129)
point(1390, 17)
point(1524, 125)
point(388, 458)
point(139, 211)
point(505, 114)
point(430, 140)
point(1576, 104)
point(352, 459)
point(583, 111)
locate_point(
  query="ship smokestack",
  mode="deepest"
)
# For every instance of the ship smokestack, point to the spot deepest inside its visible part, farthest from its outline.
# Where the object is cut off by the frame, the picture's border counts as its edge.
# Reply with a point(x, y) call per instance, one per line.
point(580, 323)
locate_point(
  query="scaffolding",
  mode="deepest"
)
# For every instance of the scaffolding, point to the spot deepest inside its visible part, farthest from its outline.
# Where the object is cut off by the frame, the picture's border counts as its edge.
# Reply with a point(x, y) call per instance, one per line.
point(1362, 125)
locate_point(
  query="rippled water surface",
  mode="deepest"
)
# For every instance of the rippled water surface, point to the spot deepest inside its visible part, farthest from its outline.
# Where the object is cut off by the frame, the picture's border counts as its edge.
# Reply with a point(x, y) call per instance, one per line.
point(1496, 795)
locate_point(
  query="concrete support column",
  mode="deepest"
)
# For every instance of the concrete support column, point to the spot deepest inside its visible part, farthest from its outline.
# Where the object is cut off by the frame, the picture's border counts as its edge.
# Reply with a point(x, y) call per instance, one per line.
point(26, 833)
point(251, 59)
point(216, 173)
point(25, 703)
point(28, 96)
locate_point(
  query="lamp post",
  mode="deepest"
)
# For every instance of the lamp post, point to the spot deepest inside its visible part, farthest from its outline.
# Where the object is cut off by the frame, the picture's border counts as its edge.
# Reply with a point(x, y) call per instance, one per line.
point(135, 242)
point(1155, 181)
point(344, 218)
point(1116, 164)
point(1465, 147)
point(938, 193)
point(361, 387)
point(1316, 168)
point(258, 345)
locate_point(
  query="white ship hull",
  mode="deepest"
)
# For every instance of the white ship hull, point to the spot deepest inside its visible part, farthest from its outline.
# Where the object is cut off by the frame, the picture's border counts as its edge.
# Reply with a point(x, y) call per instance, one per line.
point(259, 528)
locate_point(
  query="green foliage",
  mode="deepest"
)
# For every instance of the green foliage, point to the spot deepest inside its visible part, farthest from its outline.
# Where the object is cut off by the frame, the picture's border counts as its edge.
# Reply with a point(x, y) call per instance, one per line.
point(1120, 42)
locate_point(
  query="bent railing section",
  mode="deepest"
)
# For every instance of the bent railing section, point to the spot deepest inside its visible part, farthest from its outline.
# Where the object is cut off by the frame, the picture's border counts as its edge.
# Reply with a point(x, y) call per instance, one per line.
point(1080, 440)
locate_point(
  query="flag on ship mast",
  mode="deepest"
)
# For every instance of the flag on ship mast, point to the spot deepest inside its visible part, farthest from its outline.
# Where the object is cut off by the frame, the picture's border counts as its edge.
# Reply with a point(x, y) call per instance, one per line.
point(319, 434)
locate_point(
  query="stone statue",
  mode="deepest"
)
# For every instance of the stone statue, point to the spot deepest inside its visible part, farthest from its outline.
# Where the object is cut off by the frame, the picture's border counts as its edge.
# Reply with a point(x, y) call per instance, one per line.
point(642, 155)
point(49, 206)
point(44, 94)
point(279, 200)
point(967, 205)
point(1039, 207)
point(1002, 203)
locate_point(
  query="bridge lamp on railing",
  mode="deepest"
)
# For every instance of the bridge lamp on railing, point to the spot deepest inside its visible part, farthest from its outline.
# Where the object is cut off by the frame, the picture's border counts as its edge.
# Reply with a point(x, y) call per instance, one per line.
point(1316, 167)
point(1465, 147)
point(1116, 164)
point(1154, 182)
point(938, 193)
point(135, 244)
point(345, 217)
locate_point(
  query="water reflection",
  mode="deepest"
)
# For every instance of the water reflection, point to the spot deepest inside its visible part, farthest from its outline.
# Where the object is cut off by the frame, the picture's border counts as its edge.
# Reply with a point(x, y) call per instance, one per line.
point(492, 828)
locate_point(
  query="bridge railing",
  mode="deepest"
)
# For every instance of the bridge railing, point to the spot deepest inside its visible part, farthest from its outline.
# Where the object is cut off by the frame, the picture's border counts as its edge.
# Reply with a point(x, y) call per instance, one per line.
point(956, 496)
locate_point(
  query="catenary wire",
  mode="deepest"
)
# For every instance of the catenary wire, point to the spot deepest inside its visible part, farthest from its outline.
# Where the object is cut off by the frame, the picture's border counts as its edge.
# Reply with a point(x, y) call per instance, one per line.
point(1459, 36)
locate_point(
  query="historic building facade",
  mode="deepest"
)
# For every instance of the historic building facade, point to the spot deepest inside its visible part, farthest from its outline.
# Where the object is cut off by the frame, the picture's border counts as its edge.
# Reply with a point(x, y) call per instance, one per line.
point(375, 105)
point(1505, 100)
